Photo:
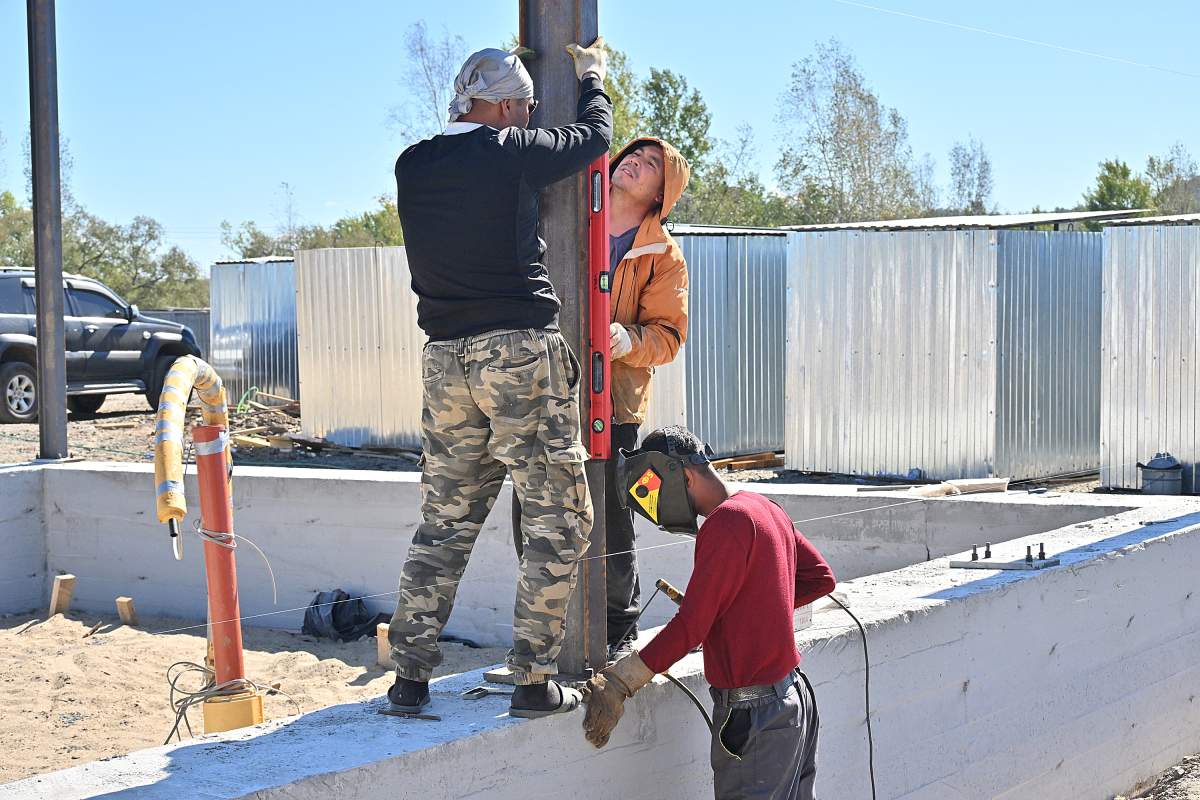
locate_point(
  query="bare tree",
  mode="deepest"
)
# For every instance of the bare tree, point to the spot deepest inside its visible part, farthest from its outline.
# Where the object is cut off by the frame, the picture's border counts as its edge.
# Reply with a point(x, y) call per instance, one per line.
point(970, 177)
point(1174, 181)
point(848, 156)
point(427, 82)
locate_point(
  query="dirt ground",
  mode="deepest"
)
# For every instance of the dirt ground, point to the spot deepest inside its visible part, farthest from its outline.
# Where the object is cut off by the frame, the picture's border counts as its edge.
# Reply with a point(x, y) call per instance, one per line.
point(1180, 782)
point(68, 700)
point(123, 430)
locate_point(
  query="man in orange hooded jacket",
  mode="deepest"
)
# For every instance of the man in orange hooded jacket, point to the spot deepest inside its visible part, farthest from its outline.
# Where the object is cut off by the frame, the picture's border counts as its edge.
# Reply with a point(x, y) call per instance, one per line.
point(649, 305)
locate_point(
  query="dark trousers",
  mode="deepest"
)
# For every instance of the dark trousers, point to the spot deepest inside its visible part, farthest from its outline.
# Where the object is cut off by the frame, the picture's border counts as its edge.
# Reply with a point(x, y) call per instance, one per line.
point(766, 748)
point(621, 582)
point(624, 589)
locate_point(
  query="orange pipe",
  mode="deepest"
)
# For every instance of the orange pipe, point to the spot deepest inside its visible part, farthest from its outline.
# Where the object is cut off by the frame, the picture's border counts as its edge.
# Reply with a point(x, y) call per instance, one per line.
point(216, 515)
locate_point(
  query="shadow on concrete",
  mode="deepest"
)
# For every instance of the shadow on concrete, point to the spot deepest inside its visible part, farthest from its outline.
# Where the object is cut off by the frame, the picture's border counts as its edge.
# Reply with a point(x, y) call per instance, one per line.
point(1149, 529)
point(333, 739)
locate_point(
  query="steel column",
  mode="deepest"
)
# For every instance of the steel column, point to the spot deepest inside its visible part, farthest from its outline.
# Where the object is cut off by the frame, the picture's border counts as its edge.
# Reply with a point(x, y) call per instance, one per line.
point(47, 230)
point(547, 27)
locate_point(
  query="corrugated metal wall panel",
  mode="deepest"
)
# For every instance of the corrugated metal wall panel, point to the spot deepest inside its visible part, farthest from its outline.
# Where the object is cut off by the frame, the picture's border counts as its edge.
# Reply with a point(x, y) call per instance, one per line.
point(1151, 349)
point(734, 357)
point(668, 396)
point(195, 318)
point(360, 347)
point(890, 360)
point(253, 327)
point(1048, 345)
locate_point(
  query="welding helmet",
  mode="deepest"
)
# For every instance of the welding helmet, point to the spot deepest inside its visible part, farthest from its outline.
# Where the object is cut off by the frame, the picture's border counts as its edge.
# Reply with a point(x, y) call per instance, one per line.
point(651, 483)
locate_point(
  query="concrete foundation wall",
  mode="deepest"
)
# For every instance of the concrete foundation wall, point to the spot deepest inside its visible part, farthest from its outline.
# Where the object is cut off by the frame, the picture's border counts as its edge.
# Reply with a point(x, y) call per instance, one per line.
point(23, 539)
point(1076, 681)
point(324, 529)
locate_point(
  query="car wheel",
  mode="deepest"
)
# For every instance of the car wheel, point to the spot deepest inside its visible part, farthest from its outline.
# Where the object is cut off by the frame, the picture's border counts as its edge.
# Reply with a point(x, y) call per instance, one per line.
point(85, 405)
point(154, 388)
point(18, 392)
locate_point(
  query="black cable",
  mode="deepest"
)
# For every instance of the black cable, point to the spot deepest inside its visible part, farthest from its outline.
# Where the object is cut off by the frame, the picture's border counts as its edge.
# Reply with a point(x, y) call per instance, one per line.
point(867, 692)
point(695, 700)
point(633, 624)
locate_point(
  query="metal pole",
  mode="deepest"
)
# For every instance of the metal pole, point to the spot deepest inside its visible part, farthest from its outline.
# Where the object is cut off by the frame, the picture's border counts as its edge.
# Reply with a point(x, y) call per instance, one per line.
point(220, 561)
point(547, 26)
point(47, 230)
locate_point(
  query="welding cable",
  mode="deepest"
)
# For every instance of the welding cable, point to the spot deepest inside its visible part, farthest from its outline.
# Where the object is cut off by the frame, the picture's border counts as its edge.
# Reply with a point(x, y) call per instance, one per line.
point(187, 699)
point(866, 692)
point(695, 700)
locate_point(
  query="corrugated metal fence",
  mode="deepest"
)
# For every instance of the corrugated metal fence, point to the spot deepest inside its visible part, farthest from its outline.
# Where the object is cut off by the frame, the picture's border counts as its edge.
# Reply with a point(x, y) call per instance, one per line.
point(1151, 351)
point(1048, 373)
point(253, 315)
point(194, 318)
point(962, 353)
point(360, 347)
point(735, 350)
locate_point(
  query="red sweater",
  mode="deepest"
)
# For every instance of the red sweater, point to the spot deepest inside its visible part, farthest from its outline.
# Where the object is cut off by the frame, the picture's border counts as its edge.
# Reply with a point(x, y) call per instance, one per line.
point(752, 569)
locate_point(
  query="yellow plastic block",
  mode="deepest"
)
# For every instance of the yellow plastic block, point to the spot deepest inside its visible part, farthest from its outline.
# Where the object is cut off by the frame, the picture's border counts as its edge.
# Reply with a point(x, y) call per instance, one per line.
point(233, 711)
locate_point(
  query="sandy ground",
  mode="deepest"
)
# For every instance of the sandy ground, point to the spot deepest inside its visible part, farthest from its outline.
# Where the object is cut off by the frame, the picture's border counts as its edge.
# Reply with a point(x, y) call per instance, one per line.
point(67, 700)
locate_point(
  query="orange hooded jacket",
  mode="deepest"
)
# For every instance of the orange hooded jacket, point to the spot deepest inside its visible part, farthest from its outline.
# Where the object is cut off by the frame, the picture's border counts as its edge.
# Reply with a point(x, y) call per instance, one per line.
point(649, 293)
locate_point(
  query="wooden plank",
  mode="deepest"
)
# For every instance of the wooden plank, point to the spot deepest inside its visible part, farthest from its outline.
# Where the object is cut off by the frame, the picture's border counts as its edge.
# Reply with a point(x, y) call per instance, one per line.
point(249, 431)
point(60, 595)
point(127, 612)
point(276, 397)
point(383, 647)
point(250, 441)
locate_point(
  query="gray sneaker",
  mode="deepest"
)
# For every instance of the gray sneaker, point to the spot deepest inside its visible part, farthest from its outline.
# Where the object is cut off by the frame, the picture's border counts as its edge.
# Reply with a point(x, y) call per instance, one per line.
point(622, 648)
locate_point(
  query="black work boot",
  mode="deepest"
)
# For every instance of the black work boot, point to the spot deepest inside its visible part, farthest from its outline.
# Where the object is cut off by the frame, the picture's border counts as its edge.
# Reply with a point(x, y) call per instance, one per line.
point(408, 696)
point(543, 699)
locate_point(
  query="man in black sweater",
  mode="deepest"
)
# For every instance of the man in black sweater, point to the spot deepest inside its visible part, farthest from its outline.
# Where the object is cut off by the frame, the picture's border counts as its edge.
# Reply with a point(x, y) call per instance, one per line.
point(500, 383)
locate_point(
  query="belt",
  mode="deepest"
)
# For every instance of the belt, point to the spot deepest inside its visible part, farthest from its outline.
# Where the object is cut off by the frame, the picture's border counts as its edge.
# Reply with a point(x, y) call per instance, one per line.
point(778, 689)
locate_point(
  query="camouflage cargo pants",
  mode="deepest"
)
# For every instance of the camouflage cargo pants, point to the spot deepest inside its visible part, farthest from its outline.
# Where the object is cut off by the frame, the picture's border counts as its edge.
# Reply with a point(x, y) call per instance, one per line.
point(502, 402)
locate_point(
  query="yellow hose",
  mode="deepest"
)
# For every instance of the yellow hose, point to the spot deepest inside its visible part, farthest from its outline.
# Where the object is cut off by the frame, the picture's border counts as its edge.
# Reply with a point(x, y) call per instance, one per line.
point(186, 373)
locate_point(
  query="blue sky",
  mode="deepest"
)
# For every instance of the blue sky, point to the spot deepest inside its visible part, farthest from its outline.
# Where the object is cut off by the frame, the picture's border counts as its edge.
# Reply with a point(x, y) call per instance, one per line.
point(195, 113)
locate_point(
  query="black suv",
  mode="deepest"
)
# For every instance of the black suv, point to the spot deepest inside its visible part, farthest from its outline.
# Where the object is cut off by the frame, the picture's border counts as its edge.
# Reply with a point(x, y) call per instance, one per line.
point(111, 348)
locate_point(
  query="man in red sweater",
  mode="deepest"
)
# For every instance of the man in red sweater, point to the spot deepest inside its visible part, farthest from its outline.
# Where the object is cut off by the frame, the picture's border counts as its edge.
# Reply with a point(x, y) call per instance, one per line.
point(752, 569)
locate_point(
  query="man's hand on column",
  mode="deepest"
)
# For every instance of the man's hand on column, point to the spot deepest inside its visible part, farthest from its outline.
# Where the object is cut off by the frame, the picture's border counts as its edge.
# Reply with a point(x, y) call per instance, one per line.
point(593, 59)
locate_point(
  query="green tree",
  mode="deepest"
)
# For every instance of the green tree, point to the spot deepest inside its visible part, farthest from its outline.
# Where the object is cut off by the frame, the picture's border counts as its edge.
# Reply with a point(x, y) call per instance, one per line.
point(16, 232)
point(133, 260)
point(427, 82)
point(378, 227)
point(970, 177)
point(625, 90)
point(1117, 188)
point(675, 112)
point(1174, 182)
point(847, 155)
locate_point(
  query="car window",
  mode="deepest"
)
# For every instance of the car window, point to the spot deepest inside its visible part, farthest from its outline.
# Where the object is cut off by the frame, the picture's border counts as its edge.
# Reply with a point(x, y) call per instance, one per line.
point(30, 299)
point(11, 301)
point(94, 304)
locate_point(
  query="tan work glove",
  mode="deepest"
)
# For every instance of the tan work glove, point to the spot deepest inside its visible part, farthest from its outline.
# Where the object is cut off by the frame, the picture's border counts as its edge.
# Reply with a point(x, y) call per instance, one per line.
point(593, 59)
point(606, 694)
point(619, 342)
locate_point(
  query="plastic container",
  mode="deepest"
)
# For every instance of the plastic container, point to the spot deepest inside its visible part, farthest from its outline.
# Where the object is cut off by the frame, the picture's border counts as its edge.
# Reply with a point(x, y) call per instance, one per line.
point(1162, 474)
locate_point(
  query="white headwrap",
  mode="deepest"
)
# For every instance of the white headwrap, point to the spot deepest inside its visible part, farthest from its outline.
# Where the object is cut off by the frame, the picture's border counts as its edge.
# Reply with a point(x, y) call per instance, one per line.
point(491, 75)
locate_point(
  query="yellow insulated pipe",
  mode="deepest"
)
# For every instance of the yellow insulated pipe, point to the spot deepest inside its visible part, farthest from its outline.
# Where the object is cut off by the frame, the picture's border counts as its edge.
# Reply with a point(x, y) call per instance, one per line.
point(186, 373)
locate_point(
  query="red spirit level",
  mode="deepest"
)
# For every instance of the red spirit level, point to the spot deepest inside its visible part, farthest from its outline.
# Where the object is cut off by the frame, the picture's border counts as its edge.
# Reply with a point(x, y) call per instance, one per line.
point(599, 287)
